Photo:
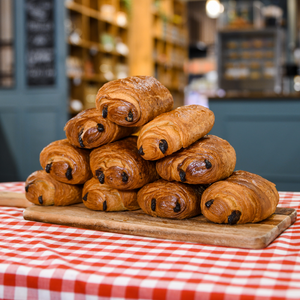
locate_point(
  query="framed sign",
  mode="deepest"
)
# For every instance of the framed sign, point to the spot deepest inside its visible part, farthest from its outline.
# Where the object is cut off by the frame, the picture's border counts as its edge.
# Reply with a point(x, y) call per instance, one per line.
point(40, 43)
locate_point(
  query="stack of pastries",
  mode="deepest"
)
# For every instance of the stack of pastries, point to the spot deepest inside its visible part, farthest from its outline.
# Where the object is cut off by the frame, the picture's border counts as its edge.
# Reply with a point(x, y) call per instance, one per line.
point(134, 151)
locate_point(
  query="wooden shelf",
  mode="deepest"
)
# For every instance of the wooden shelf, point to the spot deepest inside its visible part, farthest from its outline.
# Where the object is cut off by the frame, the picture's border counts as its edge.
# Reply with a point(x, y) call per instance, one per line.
point(92, 13)
point(93, 45)
point(104, 44)
point(98, 47)
point(158, 43)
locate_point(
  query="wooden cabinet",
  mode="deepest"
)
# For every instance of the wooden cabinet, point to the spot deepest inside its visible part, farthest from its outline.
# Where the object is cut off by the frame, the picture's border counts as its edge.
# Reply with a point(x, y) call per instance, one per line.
point(158, 43)
point(111, 39)
point(97, 37)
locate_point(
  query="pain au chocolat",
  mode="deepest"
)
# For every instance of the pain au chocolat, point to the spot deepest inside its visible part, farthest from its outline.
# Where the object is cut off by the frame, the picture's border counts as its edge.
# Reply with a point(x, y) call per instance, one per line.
point(172, 200)
point(242, 198)
point(97, 196)
point(174, 130)
point(207, 160)
point(89, 129)
point(42, 189)
point(119, 165)
point(133, 101)
point(65, 162)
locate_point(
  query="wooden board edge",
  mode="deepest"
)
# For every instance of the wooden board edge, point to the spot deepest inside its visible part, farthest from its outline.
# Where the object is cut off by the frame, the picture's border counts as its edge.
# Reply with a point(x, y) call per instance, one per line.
point(282, 226)
point(13, 199)
point(122, 227)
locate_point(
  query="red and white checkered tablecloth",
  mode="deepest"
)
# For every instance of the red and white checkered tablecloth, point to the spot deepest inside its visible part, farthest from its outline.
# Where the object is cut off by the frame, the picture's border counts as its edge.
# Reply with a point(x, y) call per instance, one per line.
point(45, 261)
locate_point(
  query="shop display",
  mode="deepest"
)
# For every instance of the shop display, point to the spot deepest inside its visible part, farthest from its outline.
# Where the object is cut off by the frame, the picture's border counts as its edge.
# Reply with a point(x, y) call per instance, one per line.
point(249, 60)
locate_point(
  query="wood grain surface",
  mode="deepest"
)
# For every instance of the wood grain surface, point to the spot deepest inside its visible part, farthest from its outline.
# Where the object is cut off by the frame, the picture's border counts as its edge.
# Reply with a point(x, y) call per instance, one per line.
point(14, 199)
point(197, 229)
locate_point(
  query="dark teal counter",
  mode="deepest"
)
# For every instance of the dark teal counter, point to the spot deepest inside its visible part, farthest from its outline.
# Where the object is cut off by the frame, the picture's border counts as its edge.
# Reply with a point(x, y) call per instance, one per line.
point(265, 134)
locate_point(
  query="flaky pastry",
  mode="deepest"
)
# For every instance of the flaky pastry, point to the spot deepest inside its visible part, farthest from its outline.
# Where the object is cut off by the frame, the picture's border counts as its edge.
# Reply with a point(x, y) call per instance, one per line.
point(244, 197)
point(119, 165)
point(205, 161)
point(133, 101)
point(97, 196)
point(89, 129)
point(42, 189)
point(65, 162)
point(173, 200)
point(171, 131)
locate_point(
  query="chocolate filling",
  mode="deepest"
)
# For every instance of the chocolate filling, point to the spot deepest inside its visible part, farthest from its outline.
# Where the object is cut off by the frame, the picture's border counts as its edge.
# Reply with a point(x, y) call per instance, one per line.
point(234, 217)
point(207, 164)
point(100, 176)
point(163, 146)
point(124, 177)
point(48, 167)
point(69, 173)
point(141, 151)
point(85, 196)
point(80, 139)
point(40, 199)
point(104, 205)
point(129, 118)
point(153, 204)
point(209, 203)
point(177, 207)
point(104, 112)
point(182, 175)
point(100, 127)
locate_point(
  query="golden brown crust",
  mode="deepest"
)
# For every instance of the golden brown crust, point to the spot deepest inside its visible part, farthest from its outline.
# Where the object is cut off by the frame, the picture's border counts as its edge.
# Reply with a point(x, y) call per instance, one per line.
point(89, 129)
point(65, 162)
point(42, 189)
point(205, 161)
point(133, 101)
point(174, 130)
point(119, 165)
point(242, 198)
point(98, 196)
point(173, 200)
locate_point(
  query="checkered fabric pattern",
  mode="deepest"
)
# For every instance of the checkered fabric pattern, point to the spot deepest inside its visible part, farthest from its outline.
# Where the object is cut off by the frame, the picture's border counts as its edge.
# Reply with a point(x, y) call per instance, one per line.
point(44, 261)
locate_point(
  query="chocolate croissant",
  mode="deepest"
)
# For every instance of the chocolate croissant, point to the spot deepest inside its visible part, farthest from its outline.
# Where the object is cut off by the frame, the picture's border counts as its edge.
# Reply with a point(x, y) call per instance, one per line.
point(65, 162)
point(173, 200)
point(89, 129)
point(119, 165)
point(242, 198)
point(174, 130)
point(133, 101)
point(42, 189)
point(98, 196)
point(205, 161)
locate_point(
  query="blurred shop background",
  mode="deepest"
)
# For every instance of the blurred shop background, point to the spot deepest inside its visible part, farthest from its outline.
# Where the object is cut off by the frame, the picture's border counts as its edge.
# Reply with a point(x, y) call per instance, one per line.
point(239, 58)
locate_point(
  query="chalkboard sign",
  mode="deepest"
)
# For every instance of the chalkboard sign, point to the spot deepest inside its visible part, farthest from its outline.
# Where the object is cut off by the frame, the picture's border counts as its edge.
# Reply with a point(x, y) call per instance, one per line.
point(40, 46)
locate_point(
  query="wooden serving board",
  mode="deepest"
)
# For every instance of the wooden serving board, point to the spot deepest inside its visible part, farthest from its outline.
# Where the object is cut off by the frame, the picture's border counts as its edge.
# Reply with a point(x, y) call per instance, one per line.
point(14, 199)
point(197, 229)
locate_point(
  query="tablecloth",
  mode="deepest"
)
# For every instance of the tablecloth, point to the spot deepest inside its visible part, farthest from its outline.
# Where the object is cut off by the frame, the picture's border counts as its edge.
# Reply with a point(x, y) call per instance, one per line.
point(46, 261)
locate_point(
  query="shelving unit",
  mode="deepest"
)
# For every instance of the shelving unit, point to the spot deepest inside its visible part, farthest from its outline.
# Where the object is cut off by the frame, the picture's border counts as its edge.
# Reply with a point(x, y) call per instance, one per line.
point(97, 36)
point(161, 53)
point(249, 60)
point(108, 40)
